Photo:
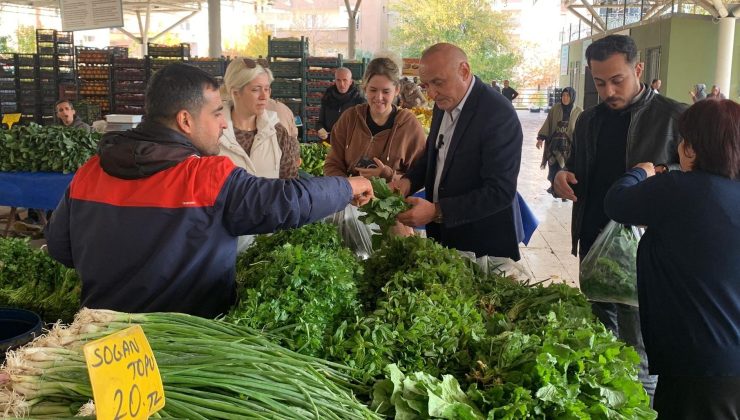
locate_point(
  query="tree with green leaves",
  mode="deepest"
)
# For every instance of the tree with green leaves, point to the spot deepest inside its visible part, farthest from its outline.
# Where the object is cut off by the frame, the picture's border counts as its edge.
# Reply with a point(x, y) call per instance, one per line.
point(26, 36)
point(470, 24)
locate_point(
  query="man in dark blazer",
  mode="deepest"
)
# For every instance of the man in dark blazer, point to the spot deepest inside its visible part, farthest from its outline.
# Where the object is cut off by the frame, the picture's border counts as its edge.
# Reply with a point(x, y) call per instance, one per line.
point(471, 162)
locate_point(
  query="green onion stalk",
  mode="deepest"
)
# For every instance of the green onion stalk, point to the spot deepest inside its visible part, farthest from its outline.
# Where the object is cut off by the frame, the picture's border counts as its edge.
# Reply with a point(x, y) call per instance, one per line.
point(210, 370)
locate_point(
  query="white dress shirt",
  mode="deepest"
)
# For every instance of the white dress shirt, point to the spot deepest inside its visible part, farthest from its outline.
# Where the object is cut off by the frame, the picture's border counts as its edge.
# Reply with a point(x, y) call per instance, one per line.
point(446, 131)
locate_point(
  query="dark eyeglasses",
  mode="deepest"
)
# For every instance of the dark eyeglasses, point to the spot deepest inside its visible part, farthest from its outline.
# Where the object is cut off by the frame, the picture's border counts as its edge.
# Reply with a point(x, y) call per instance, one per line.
point(251, 63)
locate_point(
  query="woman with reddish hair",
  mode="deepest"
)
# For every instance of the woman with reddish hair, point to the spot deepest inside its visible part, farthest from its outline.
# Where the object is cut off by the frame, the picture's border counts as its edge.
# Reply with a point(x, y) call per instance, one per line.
point(688, 264)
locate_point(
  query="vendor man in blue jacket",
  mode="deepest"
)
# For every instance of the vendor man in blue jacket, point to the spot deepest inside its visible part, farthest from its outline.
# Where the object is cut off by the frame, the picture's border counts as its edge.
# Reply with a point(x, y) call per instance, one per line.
point(150, 222)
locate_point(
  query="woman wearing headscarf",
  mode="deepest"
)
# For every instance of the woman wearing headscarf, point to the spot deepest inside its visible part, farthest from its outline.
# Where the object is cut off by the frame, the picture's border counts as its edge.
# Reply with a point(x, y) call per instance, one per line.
point(715, 93)
point(699, 93)
point(255, 139)
point(556, 133)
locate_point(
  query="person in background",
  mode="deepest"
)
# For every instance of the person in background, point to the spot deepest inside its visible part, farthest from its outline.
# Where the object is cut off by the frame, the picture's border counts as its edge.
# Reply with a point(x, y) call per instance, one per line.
point(68, 116)
point(715, 93)
point(471, 162)
point(556, 134)
point(688, 270)
point(150, 222)
point(655, 85)
point(338, 98)
point(495, 86)
point(285, 115)
point(254, 138)
point(509, 92)
point(630, 126)
point(698, 93)
point(377, 138)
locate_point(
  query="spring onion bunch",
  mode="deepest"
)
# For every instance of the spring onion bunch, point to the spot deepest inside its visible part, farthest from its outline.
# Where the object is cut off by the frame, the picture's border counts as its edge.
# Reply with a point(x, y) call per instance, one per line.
point(210, 370)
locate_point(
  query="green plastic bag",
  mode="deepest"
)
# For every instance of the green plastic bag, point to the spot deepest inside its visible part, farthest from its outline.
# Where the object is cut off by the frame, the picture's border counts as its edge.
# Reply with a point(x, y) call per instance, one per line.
point(608, 273)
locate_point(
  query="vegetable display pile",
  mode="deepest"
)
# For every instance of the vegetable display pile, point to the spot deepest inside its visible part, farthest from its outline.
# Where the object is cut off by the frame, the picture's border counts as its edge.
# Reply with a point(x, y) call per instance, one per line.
point(383, 209)
point(36, 148)
point(314, 156)
point(415, 332)
point(30, 279)
point(210, 370)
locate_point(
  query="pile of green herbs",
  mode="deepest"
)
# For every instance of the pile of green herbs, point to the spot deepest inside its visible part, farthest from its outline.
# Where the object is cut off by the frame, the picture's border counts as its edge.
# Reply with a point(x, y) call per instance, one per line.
point(382, 210)
point(297, 285)
point(313, 156)
point(36, 148)
point(466, 344)
point(31, 279)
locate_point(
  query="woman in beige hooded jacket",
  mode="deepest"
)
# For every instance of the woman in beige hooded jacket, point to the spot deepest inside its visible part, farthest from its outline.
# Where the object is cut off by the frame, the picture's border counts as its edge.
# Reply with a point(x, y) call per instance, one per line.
point(255, 139)
point(377, 138)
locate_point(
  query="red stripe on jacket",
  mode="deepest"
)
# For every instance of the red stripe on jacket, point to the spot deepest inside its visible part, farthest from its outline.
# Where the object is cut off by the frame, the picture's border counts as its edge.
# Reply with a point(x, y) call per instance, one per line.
point(194, 182)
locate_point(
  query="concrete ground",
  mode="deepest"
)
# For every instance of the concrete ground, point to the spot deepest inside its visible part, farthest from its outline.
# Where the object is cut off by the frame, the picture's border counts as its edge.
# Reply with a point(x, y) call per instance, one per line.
point(548, 254)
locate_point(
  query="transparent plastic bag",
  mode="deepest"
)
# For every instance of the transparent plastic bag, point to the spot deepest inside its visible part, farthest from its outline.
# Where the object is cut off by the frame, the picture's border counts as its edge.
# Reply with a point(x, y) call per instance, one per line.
point(500, 265)
point(355, 234)
point(608, 273)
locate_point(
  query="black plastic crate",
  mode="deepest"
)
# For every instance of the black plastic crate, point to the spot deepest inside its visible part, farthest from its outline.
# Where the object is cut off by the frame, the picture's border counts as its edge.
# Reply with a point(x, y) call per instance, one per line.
point(46, 48)
point(314, 99)
point(214, 67)
point(64, 49)
point(7, 84)
point(129, 63)
point(313, 111)
point(122, 86)
point(27, 73)
point(8, 107)
point(288, 69)
point(287, 47)
point(319, 85)
point(129, 109)
point(87, 111)
point(87, 55)
point(135, 98)
point(324, 61)
point(8, 95)
point(47, 60)
point(356, 67)
point(26, 60)
point(64, 37)
point(295, 105)
point(129, 74)
point(46, 35)
point(320, 74)
point(173, 51)
point(282, 88)
point(118, 52)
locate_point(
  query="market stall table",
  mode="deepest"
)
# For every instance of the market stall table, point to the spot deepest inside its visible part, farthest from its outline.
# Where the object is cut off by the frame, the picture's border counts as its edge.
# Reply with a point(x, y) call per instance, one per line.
point(36, 190)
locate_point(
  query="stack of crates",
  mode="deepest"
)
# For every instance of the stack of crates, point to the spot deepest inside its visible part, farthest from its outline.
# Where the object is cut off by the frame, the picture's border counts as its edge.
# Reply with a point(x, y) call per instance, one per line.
point(159, 56)
point(8, 85)
point(357, 67)
point(94, 75)
point(55, 51)
point(320, 77)
point(288, 65)
point(29, 98)
point(129, 85)
point(216, 67)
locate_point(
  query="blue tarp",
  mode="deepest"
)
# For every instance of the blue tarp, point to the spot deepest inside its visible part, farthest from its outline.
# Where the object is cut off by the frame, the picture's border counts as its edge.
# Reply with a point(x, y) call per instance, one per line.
point(35, 190)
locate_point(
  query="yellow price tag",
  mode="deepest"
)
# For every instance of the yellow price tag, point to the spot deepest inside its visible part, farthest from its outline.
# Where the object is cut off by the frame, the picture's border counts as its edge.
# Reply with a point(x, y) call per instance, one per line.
point(124, 376)
point(11, 119)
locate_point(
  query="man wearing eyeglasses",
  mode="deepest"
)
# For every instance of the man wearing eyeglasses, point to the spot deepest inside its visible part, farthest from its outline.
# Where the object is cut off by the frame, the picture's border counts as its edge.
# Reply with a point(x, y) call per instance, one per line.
point(151, 222)
point(471, 162)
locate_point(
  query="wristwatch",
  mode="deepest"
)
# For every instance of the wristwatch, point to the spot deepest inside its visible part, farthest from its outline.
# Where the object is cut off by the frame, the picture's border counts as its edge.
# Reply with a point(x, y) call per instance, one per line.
point(438, 214)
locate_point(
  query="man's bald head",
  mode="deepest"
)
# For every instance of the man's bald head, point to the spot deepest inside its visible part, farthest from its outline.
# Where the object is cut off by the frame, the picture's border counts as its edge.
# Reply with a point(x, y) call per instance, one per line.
point(445, 71)
point(450, 51)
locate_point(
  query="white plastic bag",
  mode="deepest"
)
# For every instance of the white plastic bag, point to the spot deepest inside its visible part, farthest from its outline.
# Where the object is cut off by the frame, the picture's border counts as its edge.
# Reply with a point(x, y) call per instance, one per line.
point(355, 234)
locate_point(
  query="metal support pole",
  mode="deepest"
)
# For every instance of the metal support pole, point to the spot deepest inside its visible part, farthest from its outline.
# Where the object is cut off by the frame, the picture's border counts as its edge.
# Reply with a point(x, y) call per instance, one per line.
point(214, 28)
point(725, 45)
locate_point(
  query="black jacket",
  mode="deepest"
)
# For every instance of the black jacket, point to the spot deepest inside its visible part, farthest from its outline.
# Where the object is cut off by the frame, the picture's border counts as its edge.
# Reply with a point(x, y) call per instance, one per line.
point(334, 103)
point(652, 137)
point(477, 191)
